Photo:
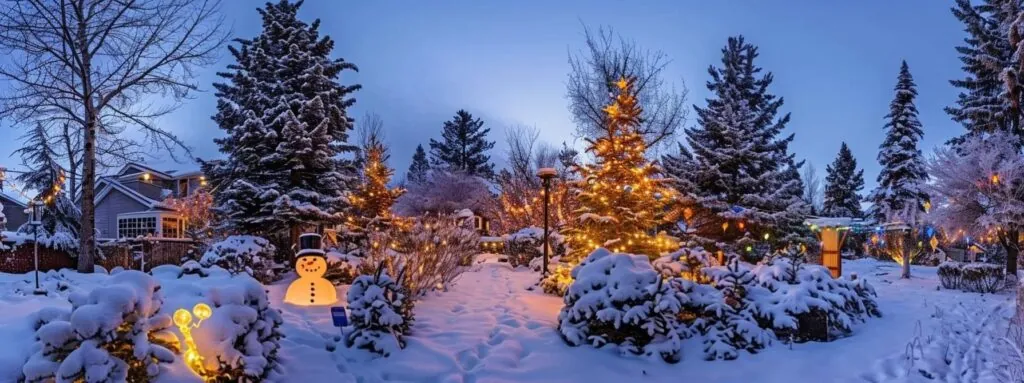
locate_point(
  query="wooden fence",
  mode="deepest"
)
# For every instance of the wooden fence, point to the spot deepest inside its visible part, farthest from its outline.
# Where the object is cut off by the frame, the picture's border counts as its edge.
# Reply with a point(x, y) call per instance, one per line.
point(19, 259)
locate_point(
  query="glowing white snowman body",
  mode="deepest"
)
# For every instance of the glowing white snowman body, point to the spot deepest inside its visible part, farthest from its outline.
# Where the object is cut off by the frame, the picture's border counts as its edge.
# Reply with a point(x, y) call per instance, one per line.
point(311, 289)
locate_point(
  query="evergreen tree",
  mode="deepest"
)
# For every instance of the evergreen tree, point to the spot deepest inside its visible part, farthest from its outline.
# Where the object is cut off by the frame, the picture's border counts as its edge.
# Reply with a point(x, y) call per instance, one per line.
point(842, 185)
point(287, 131)
point(463, 147)
point(46, 175)
point(373, 199)
point(419, 167)
point(620, 202)
point(900, 195)
point(986, 53)
point(738, 178)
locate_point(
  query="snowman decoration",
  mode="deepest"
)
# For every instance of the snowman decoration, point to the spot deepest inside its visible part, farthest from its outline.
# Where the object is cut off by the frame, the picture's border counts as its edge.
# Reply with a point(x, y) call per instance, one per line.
point(311, 289)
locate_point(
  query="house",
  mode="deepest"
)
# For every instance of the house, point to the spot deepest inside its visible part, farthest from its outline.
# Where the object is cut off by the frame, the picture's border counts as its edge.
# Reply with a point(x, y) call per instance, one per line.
point(130, 203)
point(14, 210)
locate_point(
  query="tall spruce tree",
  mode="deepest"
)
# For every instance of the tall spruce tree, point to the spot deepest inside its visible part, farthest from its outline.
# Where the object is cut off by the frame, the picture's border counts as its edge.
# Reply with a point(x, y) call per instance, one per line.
point(986, 54)
point(419, 168)
point(900, 195)
point(283, 110)
point(463, 147)
point(45, 174)
point(843, 184)
point(738, 179)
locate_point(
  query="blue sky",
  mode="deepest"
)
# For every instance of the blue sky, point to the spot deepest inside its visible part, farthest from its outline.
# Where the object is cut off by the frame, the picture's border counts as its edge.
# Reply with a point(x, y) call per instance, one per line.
point(835, 63)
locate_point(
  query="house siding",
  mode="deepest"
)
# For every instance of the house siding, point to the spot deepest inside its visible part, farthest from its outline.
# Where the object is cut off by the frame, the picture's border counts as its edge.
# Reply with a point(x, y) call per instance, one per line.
point(109, 207)
point(15, 214)
point(152, 190)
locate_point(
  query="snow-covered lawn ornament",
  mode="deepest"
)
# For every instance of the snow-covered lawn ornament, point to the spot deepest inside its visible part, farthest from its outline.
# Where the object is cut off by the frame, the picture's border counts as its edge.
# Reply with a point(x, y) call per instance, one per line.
point(311, 289)
point(183, 319)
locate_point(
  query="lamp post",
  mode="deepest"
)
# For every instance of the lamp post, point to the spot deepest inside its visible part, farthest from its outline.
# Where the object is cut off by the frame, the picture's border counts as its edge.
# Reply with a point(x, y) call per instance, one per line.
point(35, 214)
point(546, 175)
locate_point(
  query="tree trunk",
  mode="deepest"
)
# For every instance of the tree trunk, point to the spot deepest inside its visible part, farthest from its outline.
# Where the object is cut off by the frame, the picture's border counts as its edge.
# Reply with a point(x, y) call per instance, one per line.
point(1010, 242)
point(87, 242)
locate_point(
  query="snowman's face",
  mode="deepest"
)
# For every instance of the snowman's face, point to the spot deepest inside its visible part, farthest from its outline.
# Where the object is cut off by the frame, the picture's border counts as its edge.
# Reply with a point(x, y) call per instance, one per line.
point(310, 266)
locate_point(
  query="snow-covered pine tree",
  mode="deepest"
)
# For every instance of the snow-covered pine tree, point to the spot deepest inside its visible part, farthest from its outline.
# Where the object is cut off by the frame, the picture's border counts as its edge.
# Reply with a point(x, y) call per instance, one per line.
point(373, 198)
point(621, 199)
point(284, 112)
point(382, 312)
point(981, 105)
point(419, 167)
point(900, 194)
point(46, 174)
point(463, 146)
point(731, 323)
point(842, 185)
point(742, 180)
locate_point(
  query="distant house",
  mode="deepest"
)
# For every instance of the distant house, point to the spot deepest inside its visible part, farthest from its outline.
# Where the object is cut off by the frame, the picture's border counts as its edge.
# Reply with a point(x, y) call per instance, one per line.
point(130, 203)
point(14, 210)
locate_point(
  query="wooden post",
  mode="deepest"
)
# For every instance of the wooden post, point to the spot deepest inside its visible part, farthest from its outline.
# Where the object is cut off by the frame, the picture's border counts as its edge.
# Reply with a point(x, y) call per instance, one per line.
point(830, 251)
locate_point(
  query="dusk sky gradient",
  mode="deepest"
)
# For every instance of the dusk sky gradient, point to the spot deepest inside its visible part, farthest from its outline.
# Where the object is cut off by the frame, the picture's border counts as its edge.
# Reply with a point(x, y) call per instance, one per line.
point(835, 63)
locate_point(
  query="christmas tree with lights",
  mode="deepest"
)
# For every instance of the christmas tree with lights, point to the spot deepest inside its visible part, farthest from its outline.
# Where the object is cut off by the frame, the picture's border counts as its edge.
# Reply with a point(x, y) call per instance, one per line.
point(373, 199)
point(621, 199)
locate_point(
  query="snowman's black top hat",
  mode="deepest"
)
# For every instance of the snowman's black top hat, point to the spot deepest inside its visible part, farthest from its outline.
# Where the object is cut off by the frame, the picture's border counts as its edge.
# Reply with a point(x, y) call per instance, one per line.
point(310, 244)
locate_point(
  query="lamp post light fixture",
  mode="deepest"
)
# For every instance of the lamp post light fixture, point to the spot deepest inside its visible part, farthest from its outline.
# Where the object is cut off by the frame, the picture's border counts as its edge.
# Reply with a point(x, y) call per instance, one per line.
point(546, 175)
point(35, 219)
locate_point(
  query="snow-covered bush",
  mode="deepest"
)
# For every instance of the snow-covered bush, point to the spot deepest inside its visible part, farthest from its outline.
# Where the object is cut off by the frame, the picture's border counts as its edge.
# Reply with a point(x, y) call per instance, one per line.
point(241, 338)
point(342, 269)
point(244, 254)
point(807, 303)
point(620, 299)
point(524, 246)
point(381, 312)
point(950, 274)
point(731, 323)
point(115, 333)
point(982, 277)
point(686, 263)
point(432, 252)
point(558, 279)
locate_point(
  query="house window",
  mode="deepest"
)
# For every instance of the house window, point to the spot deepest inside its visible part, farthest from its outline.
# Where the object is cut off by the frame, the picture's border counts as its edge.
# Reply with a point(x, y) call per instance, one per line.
point(131, 227)
point(182, 188)
point(171, 227)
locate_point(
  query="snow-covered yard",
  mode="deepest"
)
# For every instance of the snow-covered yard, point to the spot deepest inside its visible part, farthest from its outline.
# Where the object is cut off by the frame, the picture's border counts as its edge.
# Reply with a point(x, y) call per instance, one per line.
point(490, 328)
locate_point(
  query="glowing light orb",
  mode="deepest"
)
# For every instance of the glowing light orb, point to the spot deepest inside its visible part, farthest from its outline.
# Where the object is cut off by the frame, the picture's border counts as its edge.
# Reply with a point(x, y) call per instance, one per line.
point(183, 319)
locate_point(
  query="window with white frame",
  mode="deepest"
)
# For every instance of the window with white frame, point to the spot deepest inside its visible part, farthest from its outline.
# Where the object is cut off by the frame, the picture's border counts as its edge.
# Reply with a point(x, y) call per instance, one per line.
point(131, 227)
point(170, 227)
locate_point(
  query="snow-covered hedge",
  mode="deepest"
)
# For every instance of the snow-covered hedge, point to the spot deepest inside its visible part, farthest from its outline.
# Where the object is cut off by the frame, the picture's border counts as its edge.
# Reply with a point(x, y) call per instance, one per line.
point(973, 277)
point(433, 252)
point(244, 254)
point(381, 312)
point(620, 299)
point(115, 333)
point(950, 273)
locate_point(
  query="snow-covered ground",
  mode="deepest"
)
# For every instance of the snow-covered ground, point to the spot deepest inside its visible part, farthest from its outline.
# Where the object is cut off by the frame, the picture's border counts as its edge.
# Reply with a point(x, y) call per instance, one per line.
point(490, 328)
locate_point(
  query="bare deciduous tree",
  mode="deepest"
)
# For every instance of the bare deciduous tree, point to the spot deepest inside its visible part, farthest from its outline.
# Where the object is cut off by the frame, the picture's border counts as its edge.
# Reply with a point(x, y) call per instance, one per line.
point(608, 58)
point(813, 192)
point(104, 66)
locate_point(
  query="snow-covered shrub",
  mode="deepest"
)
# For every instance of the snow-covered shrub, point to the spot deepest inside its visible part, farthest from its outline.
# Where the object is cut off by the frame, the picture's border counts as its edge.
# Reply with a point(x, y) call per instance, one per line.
point(342, 269)
point(193, 268)
point(558, 279)
point(241, 338)
point(686, 263)
point(950, 274)
point(982, 277)
point(619, 299)
point(244, 254)
point(432, 252)
point(381, 312)
point(807, 304)
point(731, 323)
point(524, 246)
point(115, 333)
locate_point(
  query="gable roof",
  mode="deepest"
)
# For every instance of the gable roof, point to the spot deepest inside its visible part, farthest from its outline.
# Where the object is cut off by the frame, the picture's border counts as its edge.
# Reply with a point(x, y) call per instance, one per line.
point(5, 197)
point(140, 168)
point(112, 184)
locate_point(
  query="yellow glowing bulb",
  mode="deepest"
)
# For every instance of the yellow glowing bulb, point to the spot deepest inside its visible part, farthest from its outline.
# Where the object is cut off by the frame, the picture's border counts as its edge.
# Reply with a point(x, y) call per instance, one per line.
point(202, 311)
point(182, 318)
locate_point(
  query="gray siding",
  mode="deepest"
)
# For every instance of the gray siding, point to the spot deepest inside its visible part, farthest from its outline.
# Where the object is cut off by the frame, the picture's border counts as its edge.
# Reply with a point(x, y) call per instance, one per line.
point(15, 214)
point(150, 190)
point(109, 207)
